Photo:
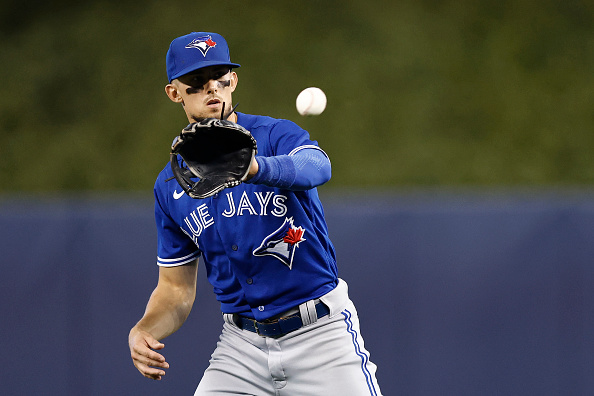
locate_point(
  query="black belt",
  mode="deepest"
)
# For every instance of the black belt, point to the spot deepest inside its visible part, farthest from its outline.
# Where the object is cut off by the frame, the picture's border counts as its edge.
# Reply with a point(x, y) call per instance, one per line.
point(278, 327)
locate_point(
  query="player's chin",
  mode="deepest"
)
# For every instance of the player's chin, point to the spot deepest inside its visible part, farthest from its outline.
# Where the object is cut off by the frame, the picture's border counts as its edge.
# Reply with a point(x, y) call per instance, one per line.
point(207, 114)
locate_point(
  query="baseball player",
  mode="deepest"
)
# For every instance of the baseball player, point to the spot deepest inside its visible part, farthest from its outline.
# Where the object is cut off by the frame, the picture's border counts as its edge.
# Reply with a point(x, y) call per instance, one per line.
point(289, 327)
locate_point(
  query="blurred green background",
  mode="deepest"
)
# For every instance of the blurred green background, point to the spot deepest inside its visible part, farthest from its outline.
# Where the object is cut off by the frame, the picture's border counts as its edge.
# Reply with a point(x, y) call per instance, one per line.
point(420, 93)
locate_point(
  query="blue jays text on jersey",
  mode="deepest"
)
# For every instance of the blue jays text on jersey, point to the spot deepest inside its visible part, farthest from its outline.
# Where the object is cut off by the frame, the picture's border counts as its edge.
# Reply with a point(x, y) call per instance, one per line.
point(265, 249)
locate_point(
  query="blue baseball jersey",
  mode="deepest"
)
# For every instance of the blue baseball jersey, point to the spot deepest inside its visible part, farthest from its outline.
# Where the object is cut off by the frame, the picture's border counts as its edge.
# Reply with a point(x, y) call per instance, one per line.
point(265, 249)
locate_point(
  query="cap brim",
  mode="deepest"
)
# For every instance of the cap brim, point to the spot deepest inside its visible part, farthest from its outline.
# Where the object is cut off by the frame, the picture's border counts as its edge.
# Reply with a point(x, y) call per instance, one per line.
point(202, 65)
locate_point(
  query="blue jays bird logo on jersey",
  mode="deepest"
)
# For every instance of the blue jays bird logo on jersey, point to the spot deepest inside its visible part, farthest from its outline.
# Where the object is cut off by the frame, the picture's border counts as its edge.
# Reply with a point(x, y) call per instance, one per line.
point(203, 44)
point(282, 243)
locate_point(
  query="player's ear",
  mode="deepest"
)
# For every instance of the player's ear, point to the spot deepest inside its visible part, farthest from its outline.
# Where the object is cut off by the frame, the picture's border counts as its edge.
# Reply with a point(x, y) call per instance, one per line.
point(234, 80)
point(172, 92)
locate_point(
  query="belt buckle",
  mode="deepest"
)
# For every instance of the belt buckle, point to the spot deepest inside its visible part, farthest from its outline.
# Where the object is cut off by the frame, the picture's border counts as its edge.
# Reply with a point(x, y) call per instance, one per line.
point(258, 329)
point(275, 332)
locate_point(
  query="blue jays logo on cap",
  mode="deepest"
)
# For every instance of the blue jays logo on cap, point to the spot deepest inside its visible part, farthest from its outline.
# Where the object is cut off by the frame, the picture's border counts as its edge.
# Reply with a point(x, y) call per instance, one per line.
point(203, 44)
point(282, 243)
point(182, 57)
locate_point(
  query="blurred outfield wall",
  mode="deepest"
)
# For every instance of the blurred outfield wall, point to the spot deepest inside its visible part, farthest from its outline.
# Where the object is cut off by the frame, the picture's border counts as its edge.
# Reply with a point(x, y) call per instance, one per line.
point(458, 294)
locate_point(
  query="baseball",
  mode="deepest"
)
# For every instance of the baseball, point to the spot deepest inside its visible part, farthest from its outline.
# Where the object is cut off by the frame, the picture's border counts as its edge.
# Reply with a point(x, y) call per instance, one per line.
point(311, 101)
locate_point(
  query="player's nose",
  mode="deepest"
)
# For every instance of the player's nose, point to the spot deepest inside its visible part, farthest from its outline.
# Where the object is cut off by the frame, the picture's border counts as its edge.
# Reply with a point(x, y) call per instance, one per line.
point(211, 86)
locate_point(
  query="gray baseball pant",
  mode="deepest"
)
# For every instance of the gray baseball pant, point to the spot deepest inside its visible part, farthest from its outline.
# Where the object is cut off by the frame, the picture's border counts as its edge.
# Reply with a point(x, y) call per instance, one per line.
point(324, 358)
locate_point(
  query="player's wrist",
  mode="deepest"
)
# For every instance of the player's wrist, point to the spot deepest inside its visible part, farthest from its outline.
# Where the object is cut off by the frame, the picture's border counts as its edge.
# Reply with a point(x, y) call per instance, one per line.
point(254, 168)
point(277, 171)
point(262, 173)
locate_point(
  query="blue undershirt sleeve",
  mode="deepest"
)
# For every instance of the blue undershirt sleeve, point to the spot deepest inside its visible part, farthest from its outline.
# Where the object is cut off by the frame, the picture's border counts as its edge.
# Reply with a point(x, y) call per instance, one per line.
point(306, 169)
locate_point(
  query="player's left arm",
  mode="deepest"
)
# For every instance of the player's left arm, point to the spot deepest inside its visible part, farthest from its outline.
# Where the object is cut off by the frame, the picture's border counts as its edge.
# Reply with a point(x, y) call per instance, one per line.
point(304, 168)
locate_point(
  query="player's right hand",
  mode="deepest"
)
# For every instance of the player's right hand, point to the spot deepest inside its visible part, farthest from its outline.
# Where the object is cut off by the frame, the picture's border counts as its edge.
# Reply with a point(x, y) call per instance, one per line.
point(142, 350)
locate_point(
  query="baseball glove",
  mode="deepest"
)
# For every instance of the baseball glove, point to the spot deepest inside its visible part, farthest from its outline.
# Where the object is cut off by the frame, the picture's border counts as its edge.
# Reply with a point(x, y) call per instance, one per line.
point(217, 152)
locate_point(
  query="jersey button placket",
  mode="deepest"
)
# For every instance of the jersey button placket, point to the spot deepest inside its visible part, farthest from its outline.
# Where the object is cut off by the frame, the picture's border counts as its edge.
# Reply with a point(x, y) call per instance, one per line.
point(249, 281)
point(234, 248)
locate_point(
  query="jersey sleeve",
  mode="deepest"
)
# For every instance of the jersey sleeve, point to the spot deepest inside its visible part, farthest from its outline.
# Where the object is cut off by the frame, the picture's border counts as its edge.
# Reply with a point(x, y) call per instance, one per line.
point(174, 247)
point(300, 171)
point(287, 138)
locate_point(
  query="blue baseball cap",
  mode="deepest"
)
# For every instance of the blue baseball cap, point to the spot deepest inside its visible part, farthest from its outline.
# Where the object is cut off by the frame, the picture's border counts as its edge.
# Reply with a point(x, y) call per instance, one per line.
point(195, 51)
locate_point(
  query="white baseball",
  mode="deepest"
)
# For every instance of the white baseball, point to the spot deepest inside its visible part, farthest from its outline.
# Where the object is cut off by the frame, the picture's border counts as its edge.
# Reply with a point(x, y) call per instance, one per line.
point(311, 101)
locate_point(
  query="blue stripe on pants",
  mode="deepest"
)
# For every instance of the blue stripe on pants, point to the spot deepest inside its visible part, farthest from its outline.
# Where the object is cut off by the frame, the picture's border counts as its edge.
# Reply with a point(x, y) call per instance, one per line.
point(361, 354)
